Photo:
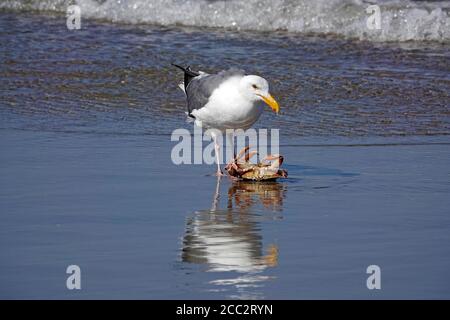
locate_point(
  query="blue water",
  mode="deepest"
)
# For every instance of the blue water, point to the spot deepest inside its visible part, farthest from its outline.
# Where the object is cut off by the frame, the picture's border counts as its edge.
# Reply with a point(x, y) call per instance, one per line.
point(87, 178)
point(132, 221)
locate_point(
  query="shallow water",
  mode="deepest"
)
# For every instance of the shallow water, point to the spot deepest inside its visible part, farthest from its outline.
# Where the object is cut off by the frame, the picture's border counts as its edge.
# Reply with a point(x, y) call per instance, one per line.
point(87, 178)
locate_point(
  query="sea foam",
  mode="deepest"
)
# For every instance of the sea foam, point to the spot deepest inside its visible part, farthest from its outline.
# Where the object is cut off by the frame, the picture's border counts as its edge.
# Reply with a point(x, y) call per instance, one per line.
point(400, 20)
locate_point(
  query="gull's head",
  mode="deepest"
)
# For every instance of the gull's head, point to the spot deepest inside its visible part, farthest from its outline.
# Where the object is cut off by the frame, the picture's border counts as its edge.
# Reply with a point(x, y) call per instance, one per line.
point(256, 88)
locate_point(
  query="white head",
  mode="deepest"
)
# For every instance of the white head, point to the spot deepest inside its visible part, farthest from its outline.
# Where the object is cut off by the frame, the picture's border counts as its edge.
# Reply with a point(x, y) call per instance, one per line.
point(256, 88)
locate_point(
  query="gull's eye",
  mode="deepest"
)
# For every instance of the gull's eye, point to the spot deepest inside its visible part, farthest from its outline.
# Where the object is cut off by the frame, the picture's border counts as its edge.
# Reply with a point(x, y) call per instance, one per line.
point(255, 86)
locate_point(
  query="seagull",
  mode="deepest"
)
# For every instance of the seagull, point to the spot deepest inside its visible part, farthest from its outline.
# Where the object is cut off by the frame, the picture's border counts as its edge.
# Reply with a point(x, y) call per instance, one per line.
point(229, 99)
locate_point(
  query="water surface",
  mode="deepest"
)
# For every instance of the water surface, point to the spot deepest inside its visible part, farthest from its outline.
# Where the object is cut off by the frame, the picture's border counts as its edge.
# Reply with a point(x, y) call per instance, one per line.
point(87, 178)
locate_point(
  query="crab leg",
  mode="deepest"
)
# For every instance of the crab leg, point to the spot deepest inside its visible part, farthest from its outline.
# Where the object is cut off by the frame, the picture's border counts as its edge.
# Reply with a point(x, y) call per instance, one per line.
point(241, 153)
point(249, 155)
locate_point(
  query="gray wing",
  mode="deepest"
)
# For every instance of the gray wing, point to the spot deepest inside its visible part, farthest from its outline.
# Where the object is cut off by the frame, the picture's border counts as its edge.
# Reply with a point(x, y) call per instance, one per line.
point(200, 88)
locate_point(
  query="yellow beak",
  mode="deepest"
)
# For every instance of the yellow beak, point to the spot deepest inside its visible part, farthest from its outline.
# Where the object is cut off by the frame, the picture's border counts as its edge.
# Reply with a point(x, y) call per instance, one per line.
point(271, 102)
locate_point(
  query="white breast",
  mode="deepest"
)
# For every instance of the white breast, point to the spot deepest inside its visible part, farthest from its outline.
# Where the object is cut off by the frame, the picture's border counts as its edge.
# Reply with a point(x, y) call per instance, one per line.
point(228, 109)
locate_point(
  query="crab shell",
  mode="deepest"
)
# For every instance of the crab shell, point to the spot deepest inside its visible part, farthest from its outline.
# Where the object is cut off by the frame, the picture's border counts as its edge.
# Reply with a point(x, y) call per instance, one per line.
point(257, 172)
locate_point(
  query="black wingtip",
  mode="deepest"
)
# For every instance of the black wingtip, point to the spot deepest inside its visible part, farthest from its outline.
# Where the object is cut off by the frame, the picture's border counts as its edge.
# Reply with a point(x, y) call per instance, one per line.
point(188, 73)
point(178, 66)
point(186, 70)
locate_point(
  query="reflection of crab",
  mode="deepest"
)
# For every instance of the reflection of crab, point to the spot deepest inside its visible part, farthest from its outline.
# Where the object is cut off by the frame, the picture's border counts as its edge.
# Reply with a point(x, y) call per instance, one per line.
point(243, 195)
point(241, 168)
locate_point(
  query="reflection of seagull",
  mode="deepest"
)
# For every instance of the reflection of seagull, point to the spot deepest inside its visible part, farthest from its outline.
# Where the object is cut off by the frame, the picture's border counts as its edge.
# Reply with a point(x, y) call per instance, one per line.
point(227, 100)
point(230, 240)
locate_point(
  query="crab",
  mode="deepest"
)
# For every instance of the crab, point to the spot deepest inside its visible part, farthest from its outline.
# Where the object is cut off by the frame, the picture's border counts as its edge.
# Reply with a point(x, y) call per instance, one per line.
point(268, 169)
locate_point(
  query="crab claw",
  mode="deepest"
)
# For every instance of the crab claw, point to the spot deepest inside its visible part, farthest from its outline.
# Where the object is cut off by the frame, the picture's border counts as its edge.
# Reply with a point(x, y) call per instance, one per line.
point(271, 157)
point(277, 160)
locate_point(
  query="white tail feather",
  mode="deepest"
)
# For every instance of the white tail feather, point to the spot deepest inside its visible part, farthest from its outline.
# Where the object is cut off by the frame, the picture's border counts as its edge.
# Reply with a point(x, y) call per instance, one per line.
point(181, 86)
point(188, 118)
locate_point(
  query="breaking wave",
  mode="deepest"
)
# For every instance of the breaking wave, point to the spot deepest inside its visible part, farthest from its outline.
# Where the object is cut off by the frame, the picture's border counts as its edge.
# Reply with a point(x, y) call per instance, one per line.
point(401, 20)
